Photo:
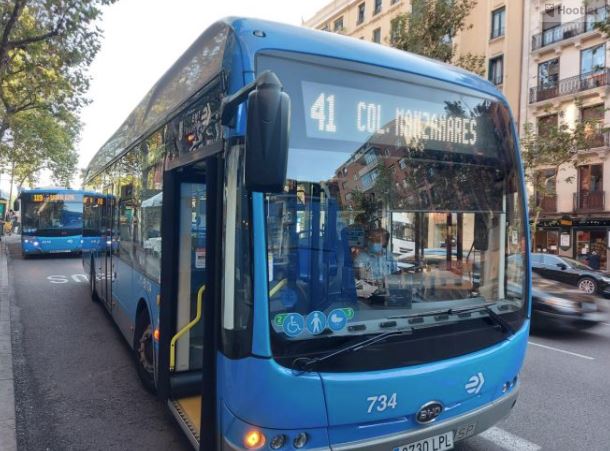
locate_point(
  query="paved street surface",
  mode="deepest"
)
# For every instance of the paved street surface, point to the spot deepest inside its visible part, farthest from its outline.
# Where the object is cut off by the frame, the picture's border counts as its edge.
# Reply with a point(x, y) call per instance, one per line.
point(77, 387)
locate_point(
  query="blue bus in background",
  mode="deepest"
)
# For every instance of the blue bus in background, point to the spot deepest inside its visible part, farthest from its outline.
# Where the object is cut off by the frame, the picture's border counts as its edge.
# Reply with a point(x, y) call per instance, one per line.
point(51, 221)
point(249, 221)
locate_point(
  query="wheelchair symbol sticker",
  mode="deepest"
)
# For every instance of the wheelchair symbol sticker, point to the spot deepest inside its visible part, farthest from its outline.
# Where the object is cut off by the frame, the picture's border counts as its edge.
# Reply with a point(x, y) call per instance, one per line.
point(316, 323)
point(293, 324)
point(337, 320)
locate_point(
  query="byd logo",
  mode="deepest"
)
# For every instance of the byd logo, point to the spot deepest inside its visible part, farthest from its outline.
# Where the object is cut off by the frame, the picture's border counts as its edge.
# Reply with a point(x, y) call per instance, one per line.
point(429, 412)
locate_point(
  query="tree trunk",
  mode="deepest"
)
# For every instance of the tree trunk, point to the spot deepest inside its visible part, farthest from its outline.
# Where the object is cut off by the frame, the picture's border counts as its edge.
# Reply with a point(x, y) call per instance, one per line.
point(10, 190)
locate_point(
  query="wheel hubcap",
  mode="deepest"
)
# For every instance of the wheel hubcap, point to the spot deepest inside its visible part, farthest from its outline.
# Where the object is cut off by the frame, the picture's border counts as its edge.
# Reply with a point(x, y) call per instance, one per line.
point(587, 286)
point(145, 351)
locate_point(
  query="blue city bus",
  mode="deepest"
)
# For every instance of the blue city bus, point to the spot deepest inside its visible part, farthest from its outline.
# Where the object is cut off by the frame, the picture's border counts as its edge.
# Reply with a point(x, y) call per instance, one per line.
point(51, 221)
point(251, 201)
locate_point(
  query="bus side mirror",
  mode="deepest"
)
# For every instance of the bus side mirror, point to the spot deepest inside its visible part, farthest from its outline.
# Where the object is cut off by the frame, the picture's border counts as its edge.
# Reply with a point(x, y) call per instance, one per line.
point(267, 135)
point(16, 204)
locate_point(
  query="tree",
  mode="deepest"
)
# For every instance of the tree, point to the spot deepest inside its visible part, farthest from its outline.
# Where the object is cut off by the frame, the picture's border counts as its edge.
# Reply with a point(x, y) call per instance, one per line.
point(430, 29)
point(45, 49)
point(39, 140)
point(547, 153)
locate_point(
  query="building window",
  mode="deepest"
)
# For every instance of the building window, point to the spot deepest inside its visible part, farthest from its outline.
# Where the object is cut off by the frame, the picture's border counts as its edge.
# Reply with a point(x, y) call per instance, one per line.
point(547, 124)
point(596, 12)
point(377, 9)
point(496, 70)
point(368, 179)
point(548, 74)
point(371, 156)
point(498, 18)
point(593, 59)
point(325, 27)
point(590, 178)
point(361, 11)
point(377, 35)
point(551, 26)
point(338, 25)
point(593, 117)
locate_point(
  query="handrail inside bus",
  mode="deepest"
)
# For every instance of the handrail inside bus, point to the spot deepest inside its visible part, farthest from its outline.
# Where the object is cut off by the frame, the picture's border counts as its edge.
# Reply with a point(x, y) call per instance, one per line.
point(281, 284)
point(185, 329)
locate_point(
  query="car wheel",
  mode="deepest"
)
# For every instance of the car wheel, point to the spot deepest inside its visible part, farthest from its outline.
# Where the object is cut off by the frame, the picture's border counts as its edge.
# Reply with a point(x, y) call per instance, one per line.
point(143, 351)
point(588, 285)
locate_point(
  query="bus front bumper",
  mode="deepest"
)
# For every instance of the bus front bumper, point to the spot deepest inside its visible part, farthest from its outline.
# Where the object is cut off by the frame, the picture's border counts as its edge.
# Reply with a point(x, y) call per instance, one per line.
point(463, 426)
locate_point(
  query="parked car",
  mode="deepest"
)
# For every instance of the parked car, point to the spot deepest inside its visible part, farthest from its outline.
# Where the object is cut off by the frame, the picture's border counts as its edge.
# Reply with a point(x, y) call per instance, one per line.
point(556, 305)
point(572, 272)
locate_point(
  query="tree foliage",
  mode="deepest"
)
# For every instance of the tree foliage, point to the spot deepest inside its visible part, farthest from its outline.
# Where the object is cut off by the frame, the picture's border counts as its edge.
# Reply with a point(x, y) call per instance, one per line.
point(45, 49)
point(430, 29)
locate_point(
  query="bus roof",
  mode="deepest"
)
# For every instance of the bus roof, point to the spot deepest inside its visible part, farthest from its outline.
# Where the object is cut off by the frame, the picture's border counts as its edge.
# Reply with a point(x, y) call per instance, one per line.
point(50, 189)
point(280, 36)
point(204, 59)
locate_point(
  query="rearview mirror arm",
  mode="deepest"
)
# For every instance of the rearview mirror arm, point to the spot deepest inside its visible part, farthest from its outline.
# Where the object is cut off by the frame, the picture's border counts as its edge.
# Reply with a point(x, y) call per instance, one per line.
point(230, 103)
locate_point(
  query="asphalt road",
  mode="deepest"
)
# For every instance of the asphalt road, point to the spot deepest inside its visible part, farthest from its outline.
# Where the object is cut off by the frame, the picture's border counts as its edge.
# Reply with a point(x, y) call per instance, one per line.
point(77, 387)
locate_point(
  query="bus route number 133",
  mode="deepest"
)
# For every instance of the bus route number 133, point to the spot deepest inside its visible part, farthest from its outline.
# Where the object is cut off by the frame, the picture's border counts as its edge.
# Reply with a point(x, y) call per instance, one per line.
point(382, 402)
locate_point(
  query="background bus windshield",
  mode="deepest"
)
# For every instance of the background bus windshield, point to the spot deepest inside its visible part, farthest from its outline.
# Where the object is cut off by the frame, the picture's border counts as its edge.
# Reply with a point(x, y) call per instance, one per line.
point(402, 199)
point(51, 214)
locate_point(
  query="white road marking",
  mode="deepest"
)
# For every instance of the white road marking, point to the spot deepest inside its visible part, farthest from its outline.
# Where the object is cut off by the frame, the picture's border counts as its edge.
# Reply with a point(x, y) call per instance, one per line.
point(575, 354)
point(508, 441)
point(606, 324)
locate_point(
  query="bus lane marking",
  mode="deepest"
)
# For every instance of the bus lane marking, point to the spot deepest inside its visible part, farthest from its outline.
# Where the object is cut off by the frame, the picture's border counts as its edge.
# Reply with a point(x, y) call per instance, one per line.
point(575, 354)
point(508, 441)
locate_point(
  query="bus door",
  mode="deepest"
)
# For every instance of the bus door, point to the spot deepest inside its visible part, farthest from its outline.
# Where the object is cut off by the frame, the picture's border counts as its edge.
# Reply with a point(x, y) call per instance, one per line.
point(104, 261)
point(189, 295)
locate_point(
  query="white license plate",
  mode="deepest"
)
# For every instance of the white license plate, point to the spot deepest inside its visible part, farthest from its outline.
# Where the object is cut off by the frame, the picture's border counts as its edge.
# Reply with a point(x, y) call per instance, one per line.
point(439, 442)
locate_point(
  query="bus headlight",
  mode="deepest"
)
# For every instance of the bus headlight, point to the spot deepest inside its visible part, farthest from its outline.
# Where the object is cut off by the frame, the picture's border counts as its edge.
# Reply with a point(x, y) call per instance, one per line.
point(254, 439)
point(35, 243)
point(301, 440)
point(278, 441)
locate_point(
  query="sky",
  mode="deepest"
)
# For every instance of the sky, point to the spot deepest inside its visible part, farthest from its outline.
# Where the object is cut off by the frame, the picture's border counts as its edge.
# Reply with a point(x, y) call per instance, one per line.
point(143, 38)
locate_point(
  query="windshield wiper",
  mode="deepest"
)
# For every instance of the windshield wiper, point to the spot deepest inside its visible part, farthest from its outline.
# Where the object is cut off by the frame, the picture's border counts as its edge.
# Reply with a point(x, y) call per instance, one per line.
point(303, 363)
point(493, 315)
point(458, 311)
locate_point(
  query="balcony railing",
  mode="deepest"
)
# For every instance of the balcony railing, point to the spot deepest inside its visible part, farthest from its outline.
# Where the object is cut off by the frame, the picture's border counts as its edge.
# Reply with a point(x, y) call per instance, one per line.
point(548, 203)
point(568, 30)
point(589, 201)
point(598, 139)
point(570, 85)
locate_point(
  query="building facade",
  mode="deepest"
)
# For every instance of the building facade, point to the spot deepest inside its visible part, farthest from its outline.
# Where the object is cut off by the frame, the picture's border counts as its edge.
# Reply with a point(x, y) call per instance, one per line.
point(567, 82)
point(499, 22)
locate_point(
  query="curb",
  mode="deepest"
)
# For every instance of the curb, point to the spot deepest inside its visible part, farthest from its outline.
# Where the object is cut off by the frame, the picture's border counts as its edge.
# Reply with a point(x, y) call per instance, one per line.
point(8, 435)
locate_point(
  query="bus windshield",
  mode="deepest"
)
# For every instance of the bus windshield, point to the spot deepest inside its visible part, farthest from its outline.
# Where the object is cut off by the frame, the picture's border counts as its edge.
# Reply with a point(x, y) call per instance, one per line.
point(402, 200)
point(52, 214)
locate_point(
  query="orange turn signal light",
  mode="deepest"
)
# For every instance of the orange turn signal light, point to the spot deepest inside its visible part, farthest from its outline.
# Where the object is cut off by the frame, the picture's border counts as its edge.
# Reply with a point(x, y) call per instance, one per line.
point(254, 439)
point(156, 335)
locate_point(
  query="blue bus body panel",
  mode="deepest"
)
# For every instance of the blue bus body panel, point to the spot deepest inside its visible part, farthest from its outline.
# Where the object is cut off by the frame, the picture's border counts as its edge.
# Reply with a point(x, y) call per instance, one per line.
point(50, 244)
point(258, 392)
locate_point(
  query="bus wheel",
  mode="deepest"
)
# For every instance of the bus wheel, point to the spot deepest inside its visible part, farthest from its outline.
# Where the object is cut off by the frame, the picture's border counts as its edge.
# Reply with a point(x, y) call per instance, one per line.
point(94, 296)
point(143, 351)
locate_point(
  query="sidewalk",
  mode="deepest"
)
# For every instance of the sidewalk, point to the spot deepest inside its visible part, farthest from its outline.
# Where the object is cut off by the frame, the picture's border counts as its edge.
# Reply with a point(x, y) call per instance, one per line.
point(7, 394)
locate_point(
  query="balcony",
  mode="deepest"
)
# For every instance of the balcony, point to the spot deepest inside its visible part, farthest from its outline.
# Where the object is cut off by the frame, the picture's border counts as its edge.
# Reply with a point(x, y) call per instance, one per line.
point(548, 203)
point(568, 30)
point(570, 85)
point(585, 201)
